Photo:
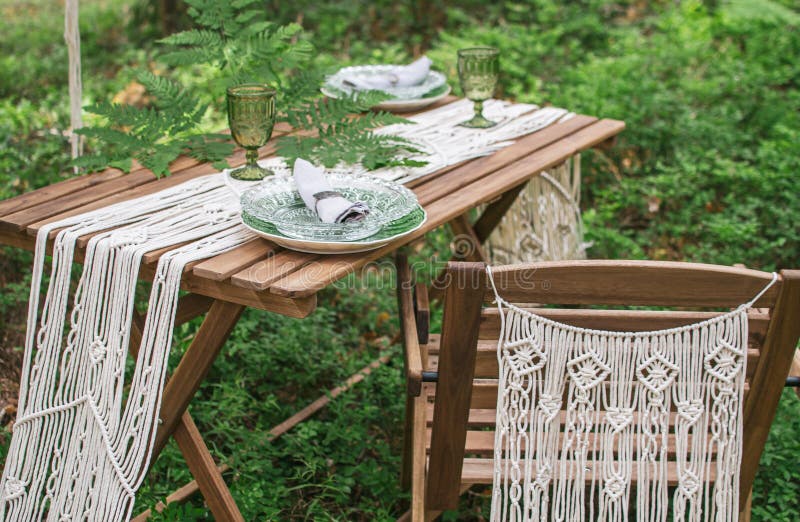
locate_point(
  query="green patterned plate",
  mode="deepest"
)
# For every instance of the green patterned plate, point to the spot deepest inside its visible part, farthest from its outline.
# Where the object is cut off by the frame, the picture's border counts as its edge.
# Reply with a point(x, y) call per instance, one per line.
point(396, 229)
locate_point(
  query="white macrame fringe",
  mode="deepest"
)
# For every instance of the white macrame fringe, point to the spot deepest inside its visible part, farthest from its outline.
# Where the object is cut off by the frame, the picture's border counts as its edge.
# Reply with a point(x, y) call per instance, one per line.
point(84, 433)
point(619, 389)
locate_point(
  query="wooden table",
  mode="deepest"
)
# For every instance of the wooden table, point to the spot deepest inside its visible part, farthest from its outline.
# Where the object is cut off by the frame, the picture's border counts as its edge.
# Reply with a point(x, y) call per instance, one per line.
point(261, 275)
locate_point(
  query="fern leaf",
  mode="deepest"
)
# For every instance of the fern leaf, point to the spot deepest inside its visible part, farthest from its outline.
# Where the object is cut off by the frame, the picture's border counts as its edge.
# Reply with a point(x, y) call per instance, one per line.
point(194, 37)
point(186, 57)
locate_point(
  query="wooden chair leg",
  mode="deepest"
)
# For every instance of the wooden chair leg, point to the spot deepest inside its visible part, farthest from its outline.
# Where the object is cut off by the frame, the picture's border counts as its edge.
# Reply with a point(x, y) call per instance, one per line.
point(794, 371)
point(408, 444)
point(418, 454)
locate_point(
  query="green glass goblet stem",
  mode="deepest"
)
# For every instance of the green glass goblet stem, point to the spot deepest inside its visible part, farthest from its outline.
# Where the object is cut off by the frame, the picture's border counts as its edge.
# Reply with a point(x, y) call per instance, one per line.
point(478, 70)
point(251, 117)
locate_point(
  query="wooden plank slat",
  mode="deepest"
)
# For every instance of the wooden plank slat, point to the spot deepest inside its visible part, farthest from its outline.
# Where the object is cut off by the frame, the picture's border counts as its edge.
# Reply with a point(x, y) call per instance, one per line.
point(21, 219)
point(441, 211)
point(481, 471)
point(56, 190)
point(649, 283)
point(256, 299)
point(486, 365)
point(225, 265)
point(437, 186)
point(482, 442)
point(262, 274)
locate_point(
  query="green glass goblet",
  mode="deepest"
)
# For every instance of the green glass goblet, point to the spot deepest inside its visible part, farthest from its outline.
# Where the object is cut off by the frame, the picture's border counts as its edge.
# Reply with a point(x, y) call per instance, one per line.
point(251, 117)
point(478, 69)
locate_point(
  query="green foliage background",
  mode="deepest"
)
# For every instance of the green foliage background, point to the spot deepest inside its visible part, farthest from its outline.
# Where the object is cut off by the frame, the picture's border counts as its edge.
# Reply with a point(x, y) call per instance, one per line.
point(707, 170)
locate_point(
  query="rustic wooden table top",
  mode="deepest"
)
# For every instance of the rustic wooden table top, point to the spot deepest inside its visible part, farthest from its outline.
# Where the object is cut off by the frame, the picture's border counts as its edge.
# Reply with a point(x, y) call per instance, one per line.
point(261, 274)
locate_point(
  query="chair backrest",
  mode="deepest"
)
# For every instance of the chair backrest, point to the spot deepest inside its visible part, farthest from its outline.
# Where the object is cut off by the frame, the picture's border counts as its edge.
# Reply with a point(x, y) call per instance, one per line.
point(466, 390)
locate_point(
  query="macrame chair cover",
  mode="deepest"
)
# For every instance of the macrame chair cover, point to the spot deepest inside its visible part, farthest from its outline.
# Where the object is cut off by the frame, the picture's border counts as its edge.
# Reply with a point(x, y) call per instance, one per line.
point(544, 223)
point(85, 427)
point(617, 390)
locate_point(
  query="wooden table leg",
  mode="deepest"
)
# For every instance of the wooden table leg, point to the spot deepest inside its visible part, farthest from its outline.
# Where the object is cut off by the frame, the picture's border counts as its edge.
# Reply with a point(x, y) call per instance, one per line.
point(494, 212)
point(471, 237)
point(191, 371)
point(205, 472)
point(194, 366)
point(467, 245)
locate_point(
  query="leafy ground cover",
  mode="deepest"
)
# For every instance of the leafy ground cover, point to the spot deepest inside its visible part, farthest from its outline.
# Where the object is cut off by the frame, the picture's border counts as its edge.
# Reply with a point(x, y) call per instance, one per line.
point(706, 171)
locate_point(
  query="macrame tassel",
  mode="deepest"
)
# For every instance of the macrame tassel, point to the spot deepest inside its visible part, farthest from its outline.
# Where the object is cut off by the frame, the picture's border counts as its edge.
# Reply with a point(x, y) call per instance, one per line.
point(619, 389)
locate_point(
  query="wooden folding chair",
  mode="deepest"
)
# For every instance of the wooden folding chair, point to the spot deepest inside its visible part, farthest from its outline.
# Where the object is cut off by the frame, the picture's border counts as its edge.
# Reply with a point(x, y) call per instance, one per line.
point(452, 377)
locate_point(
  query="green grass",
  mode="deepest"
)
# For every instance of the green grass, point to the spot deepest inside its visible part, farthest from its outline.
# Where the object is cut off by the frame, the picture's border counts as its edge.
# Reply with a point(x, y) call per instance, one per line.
point(707, 170)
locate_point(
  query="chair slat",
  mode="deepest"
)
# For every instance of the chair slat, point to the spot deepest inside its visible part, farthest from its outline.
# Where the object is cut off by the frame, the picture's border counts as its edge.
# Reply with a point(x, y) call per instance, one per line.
point(481, 443)
point(486, 366)
point(484, 393)
point(646, 283)
point(481, 471)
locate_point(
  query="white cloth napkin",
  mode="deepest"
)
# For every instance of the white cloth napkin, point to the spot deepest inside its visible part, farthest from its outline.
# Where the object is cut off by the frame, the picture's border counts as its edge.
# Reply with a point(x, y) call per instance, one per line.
point(401, 76)
point(320, 197)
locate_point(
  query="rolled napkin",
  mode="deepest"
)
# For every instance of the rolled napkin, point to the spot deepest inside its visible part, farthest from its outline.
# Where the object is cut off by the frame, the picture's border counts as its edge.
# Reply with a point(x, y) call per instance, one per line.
point(401, 76)
point(319, 196)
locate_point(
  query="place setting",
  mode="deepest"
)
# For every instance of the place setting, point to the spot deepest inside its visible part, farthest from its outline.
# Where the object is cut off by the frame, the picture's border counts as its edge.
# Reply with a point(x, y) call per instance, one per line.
point(329, 213)
point(410, 87)
point(307, 209)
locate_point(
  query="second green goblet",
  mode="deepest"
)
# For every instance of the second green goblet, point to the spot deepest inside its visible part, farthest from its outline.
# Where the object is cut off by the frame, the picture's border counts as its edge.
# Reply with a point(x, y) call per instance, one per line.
point(478, 69)
point(251, 117)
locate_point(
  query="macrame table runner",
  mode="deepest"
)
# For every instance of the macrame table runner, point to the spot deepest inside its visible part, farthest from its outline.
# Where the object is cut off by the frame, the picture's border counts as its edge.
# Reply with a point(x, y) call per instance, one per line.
point(85, 428)
point(620, 388)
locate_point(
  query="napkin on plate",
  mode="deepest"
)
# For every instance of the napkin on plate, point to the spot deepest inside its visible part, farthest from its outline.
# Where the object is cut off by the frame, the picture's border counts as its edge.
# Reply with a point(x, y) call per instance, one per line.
point(401, 76)
point(330, 206)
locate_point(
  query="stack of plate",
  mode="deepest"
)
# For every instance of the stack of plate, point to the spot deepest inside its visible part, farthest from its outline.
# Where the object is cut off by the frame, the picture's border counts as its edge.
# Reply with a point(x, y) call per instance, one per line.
point(274, 209)
point(431, 90)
